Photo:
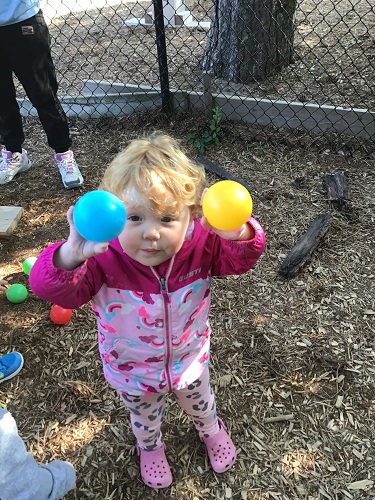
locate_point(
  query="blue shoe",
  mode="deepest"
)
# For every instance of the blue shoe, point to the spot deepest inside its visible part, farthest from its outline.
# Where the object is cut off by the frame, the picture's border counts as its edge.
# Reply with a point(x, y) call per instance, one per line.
point(10, 365)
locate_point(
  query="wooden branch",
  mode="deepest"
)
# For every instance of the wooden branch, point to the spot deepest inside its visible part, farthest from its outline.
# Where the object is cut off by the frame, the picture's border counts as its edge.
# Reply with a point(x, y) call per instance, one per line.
point(305, 246)
point(336, 189)
point(279, 418)
point(221, 172)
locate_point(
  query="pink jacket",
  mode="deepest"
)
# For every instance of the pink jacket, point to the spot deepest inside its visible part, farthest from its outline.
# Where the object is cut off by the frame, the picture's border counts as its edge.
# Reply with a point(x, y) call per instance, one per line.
point(153, 326)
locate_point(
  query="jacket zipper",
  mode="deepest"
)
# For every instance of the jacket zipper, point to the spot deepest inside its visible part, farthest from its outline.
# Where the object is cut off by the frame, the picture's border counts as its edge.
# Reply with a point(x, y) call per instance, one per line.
point(163, 281)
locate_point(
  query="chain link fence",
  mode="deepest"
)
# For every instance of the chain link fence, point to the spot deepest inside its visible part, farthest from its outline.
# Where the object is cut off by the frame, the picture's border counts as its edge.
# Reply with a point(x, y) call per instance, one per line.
point(296, 64)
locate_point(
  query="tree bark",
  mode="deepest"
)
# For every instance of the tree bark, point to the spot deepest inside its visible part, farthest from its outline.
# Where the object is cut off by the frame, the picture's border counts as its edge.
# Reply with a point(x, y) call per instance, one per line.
point(249, 40)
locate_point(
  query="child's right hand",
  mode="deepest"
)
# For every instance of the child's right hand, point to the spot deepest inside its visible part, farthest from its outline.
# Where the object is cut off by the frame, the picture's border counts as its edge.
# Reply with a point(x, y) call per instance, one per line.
point(76, 249)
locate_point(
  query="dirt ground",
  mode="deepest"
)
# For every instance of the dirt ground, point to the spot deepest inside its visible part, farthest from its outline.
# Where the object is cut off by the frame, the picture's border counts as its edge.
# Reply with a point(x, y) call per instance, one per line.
point(292, 359)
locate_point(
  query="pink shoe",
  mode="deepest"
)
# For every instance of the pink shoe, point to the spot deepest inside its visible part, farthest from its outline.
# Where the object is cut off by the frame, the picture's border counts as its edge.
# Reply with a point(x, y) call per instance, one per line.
point(221, 450)
point(155, 470)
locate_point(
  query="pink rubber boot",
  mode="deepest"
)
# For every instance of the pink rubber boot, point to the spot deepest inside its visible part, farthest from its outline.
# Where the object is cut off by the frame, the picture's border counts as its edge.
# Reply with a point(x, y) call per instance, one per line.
point(221, 450)
point(155, 470)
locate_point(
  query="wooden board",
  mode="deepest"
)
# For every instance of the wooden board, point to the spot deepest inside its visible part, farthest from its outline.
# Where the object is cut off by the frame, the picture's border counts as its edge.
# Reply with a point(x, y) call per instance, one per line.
point(9, 217)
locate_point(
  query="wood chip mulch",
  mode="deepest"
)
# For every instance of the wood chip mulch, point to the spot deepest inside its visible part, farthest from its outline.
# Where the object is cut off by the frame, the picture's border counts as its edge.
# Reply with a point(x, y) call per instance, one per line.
point(293, 360)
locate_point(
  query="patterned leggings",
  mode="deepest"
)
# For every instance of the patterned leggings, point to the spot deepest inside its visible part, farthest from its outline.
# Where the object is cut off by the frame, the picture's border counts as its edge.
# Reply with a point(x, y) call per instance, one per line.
point(147, 412)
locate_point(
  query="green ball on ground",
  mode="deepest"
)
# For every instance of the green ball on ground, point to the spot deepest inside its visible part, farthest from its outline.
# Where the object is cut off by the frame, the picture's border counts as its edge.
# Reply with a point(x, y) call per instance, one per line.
point(16, 293)
point(27, 264)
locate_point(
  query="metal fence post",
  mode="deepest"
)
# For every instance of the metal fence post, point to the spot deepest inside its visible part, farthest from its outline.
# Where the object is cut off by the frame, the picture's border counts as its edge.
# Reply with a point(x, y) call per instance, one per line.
point(162, 55)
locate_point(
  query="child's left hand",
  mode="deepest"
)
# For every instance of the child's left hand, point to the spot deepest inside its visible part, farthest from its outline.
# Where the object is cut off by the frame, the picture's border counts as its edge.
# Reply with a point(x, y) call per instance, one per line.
point(243, 233)
point(3, 285)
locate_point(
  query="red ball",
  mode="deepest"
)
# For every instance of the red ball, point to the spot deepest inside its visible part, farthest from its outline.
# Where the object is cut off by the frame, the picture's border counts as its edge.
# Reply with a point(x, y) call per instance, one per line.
point(59, 315)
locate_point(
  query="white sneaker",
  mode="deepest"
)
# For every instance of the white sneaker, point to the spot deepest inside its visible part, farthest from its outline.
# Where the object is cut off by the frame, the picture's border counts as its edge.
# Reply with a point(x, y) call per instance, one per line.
point(69, 171)
point(11, 164)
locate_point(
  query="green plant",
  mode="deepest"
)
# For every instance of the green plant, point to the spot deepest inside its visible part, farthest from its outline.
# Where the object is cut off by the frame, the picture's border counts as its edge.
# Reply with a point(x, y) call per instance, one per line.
point(209, 135)
point(259, 148)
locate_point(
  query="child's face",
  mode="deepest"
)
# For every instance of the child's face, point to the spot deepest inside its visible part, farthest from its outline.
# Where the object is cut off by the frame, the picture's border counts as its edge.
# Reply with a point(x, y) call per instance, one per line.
point(148, 238)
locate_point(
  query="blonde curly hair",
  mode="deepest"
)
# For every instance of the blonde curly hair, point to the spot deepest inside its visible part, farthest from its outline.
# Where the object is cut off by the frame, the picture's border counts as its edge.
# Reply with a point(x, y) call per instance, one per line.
point(158, 169)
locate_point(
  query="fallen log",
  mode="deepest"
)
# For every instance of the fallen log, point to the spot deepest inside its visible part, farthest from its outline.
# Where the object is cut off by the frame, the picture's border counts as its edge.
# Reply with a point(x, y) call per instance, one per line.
point(221, 172)
point(305, 246)
point(336, 189)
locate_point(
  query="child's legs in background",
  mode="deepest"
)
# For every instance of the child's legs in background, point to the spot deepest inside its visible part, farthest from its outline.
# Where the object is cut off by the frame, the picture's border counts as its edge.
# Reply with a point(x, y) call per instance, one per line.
point(146, 417)
point(198, 401)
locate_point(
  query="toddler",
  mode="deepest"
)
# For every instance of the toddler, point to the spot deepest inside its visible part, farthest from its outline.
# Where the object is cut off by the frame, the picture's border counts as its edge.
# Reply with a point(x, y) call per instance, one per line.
point(150, 292)
point(21, 477)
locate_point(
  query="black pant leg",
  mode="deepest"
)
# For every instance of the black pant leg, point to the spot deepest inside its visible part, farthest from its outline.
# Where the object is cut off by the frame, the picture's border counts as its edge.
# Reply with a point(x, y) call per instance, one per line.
point(30, 57)
point(11, 132)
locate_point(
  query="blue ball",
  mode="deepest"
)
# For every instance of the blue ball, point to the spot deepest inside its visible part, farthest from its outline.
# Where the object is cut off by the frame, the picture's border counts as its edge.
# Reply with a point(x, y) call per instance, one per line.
point(99, 216)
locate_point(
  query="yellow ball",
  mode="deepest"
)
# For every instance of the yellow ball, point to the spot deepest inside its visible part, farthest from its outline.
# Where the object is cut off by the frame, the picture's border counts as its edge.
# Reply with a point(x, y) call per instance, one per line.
point(227, 205)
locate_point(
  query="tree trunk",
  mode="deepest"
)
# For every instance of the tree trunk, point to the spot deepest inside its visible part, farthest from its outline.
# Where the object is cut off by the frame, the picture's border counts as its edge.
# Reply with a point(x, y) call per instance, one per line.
point(249, 40)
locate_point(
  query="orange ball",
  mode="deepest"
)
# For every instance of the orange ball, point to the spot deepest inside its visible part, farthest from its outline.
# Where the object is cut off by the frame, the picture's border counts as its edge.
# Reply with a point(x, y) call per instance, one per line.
point(59, 315)
point(227, 205)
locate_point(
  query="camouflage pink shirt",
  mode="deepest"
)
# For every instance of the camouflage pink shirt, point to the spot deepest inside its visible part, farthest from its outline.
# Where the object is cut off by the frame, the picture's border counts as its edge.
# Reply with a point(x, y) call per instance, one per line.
point(153, 323)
